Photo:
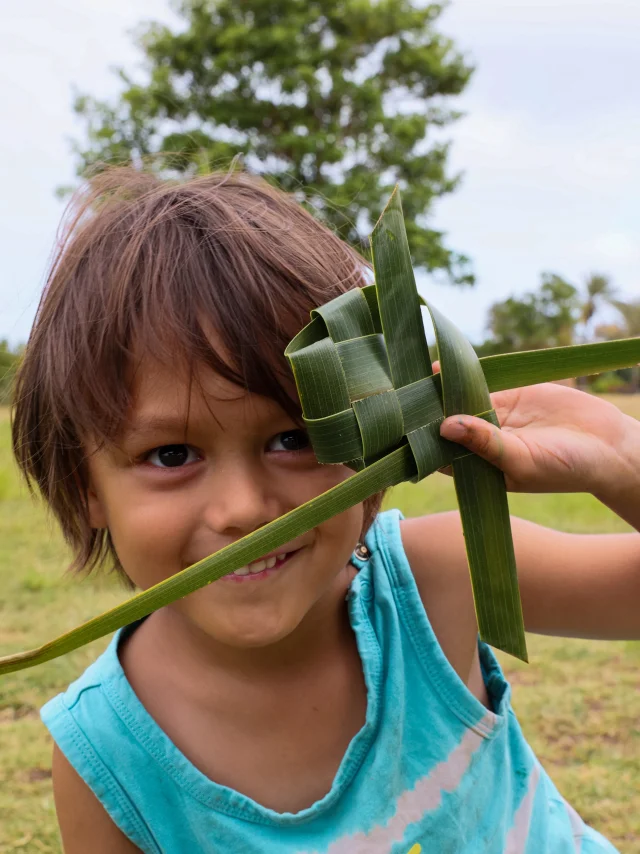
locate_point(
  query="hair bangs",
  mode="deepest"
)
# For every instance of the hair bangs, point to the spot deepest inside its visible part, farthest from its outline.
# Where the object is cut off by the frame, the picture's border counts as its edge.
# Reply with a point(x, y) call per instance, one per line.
point(218, 272)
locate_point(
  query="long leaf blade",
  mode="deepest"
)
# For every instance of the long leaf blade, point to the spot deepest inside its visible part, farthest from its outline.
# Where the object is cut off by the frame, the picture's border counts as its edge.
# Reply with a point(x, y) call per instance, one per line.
point(208, 570)
point(513, 370)
point(393, 469)
point(482, 499)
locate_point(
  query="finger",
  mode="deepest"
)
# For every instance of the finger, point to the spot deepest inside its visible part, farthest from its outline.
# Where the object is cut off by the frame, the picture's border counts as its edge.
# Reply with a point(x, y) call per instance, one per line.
point(448, 470)
point(496, 446)
point(436, 367)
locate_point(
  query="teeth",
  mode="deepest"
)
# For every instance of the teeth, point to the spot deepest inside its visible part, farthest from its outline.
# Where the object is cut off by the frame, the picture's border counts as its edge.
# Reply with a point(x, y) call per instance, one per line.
point(244, 570)
point(260, 565)
point(257, 566)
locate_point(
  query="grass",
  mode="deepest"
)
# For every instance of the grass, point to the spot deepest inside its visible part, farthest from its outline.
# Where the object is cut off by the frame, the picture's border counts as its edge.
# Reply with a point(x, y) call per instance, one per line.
point(578, 701)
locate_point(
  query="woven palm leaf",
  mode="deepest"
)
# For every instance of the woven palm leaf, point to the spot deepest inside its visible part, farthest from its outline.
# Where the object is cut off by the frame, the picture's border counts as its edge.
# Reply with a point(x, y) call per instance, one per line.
point(366, 386)
point(370, 400)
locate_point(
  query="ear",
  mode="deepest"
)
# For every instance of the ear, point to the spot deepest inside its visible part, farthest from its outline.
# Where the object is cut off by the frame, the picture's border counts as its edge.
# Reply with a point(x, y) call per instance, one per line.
point(97, 517)
point(95, 510)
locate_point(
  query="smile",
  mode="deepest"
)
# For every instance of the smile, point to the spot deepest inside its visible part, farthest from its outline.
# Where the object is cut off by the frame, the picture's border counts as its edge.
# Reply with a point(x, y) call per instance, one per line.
point(259, 569)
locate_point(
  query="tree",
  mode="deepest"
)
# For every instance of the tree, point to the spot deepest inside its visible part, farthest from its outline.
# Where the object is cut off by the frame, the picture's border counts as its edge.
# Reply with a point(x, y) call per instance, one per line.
point(630, 312)
point(335, 100)
point(544, 318)
point(598, 290)
point(9, 360)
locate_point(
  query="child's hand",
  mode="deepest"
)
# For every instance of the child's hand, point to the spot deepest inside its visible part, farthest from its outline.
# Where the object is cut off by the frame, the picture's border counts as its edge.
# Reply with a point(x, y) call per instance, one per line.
point(553, 439)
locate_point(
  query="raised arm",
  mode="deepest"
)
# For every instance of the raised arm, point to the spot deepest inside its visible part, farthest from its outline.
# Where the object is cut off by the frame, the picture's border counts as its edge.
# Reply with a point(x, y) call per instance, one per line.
point(578, 585)
point(572, 585)
point(556, 439)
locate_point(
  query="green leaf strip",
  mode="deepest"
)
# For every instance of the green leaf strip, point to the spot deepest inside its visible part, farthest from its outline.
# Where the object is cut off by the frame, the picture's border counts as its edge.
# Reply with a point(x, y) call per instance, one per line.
point(487, 533)
point(398, 298)
point(482, 499)
point(513, 370)
point(394, 468)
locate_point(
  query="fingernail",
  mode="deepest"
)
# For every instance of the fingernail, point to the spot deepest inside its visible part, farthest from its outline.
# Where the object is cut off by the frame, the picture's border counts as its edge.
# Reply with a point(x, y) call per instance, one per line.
point(456, 428)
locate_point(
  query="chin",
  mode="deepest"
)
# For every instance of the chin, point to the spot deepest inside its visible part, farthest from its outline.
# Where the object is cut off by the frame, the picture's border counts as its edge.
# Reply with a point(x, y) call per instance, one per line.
point(251, 631)
point(256, 636)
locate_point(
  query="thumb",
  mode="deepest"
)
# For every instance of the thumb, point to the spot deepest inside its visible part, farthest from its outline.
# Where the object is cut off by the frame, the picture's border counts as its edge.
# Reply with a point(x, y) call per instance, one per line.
point(479, 436)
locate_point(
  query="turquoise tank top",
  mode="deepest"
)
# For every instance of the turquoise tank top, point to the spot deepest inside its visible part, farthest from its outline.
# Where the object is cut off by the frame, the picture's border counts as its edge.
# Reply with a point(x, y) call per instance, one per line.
point(432, 771)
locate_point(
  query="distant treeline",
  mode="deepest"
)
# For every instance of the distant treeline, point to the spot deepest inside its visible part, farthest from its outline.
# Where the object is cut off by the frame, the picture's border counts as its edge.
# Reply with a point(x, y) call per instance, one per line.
point(555, 315)
point(558, 314)
point(9, 360)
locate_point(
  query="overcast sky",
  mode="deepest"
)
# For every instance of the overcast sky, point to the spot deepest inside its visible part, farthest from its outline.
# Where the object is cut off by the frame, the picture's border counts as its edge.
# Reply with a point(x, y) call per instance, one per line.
point(550, 145)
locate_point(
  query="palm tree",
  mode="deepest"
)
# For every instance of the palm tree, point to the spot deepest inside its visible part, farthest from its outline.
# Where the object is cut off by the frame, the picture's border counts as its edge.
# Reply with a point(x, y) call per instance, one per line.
point(598, 290)
point(630, 312)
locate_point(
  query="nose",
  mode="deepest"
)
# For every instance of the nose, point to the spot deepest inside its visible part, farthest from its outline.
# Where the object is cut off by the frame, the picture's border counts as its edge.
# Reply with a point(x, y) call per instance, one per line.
point(240, 500)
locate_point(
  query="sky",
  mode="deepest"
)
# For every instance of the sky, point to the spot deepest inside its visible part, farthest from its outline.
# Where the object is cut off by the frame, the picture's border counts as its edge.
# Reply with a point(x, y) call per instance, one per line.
point(549, 145)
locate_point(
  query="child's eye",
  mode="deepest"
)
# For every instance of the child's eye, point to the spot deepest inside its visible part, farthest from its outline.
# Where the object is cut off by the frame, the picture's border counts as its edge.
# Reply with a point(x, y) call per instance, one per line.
point(169, 456)
point(290, 440)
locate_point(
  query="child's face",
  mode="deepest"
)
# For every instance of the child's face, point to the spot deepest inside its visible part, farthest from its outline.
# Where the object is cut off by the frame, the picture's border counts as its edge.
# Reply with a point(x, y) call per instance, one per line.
point(169, 507)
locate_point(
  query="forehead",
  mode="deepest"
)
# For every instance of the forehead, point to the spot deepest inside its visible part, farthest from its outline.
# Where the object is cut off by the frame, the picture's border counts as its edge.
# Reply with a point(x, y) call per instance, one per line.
point(173, 377)
point(178, 384)
point(168, 396)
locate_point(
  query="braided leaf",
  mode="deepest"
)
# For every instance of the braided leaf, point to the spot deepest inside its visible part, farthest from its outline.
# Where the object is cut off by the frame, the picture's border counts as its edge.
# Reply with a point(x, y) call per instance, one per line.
point(404, 405)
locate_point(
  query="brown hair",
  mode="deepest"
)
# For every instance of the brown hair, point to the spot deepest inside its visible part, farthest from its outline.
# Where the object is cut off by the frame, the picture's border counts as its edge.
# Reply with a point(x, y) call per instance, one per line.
point(141, 262)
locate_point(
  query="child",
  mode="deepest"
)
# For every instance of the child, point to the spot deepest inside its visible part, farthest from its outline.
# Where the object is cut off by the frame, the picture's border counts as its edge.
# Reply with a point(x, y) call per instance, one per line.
point(332, 697)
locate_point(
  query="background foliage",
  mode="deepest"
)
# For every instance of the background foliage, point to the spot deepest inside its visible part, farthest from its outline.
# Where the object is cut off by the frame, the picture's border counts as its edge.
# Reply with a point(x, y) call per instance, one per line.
point(9, 360)
point(336, 100)
point(559, 314)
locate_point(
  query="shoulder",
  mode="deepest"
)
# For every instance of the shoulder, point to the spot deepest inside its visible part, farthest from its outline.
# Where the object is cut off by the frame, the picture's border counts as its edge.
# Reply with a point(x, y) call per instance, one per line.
point(90, 683)
point(435, 549)
point(433, 542)
point(434, 546)
point(84, 824)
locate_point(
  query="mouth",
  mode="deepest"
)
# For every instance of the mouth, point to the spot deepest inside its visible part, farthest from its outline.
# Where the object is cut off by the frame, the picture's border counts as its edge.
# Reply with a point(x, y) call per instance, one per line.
point(260, 569)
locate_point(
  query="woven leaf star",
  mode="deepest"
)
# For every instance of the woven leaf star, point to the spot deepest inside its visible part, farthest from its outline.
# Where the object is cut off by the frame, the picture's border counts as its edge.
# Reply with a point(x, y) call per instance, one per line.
point(367, 388)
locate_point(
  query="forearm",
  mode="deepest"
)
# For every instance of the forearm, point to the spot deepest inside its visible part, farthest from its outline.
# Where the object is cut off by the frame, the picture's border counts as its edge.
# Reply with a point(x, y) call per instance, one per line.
point(596, 593)
point(586, 585)
point(619, 488)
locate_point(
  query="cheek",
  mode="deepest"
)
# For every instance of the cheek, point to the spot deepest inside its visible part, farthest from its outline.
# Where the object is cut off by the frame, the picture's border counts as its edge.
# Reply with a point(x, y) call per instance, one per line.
point(321, 478)
point(293, 488)
point(148, 536)
point(150, 533)
point(340, 533)
point(343, 531)
point(349, 522)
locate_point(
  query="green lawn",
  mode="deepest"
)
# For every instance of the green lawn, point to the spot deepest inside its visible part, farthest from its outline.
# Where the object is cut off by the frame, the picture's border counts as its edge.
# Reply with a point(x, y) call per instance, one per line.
point(578, 701)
